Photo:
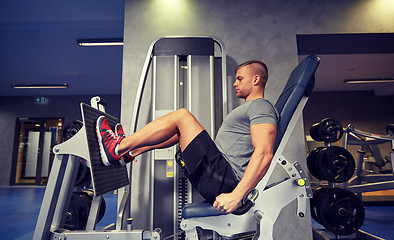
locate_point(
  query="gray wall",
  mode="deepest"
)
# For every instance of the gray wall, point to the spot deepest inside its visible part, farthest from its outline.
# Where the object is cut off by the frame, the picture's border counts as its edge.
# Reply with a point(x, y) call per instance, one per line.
point(249, 29)
point(12, 108)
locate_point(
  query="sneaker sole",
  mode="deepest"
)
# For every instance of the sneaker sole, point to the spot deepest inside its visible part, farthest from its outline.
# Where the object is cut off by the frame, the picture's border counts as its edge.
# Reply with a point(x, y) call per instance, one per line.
point(103, 155)
point(121, 161)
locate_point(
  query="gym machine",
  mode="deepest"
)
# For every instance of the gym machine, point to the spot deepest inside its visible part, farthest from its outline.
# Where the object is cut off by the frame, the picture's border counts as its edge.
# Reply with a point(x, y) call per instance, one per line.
point(338, 205)
point(255, 218)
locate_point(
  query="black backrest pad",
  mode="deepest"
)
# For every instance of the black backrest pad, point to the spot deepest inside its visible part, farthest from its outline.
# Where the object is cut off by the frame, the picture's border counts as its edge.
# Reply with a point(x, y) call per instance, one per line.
point(105, 179)
point(300, 83)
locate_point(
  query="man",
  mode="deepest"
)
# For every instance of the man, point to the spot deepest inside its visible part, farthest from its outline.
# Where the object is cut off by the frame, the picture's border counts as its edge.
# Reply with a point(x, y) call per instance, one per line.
point(224, 171)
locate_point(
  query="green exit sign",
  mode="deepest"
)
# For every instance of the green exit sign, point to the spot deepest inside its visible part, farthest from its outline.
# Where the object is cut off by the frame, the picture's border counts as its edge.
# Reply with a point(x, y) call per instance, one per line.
point(39, 99)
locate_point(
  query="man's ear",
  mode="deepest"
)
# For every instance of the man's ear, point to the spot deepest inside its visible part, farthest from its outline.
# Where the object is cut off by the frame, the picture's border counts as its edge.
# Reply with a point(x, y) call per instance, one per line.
point(256, 79)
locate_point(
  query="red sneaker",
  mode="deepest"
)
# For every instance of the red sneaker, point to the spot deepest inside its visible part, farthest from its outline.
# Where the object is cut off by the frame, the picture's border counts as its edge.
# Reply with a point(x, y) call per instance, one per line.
point(108, 141)
point(126, 158)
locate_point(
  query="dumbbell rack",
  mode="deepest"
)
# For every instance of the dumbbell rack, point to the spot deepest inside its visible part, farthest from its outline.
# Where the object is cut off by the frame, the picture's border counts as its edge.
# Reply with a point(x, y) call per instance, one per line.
point(339, 210)
point(84, 145)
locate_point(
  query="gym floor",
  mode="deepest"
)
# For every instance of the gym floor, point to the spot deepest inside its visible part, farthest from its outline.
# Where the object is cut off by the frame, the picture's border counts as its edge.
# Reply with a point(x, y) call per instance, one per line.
point(19, 208)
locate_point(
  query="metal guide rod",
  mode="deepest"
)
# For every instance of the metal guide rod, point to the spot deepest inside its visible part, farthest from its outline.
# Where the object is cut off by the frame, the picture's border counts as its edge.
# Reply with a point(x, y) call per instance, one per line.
point(224, 75)
point(212, 96)
point(176, 82)
point(189, 83)
point(152, 166)
point(176, 106)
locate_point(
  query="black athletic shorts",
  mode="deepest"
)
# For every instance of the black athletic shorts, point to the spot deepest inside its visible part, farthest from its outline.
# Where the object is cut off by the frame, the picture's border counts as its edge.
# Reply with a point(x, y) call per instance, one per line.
point(207, 169)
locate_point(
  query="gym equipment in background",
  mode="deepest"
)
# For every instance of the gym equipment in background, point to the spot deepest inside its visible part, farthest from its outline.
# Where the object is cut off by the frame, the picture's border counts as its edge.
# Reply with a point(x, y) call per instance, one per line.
point(338, 210)
point(364, 181)
point(338, 205)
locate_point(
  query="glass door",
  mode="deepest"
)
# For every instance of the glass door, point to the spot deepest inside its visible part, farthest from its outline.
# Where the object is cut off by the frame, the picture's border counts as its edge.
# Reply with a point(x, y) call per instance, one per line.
point(33, 155)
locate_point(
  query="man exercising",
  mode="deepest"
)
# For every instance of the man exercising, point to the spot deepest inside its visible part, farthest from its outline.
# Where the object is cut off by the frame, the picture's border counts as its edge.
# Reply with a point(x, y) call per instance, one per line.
point(224, 171)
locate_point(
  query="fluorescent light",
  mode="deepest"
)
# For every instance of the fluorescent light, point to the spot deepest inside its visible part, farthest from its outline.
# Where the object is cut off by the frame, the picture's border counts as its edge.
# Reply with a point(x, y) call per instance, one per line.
point(39, 86)
point(369, 80)
point(100, 42)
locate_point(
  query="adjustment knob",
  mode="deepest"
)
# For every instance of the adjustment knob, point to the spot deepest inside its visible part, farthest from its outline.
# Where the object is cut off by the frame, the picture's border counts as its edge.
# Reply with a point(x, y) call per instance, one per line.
point(300, 182)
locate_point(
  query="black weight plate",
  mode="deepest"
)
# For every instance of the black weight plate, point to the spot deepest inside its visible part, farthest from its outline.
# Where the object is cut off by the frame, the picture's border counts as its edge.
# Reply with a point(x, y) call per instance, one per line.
point(70, 131)
point(314, 200)
point(77, 124)
point(390, 129)
point(77, 214)
point(330, 130)
point(335, 164)
point(89, 197)
point(311, 163)
point(83, 175)
point(340, 211)
point(314, 132)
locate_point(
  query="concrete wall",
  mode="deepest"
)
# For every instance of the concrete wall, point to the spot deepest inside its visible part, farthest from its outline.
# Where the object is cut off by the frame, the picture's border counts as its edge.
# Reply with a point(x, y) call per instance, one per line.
point(250, 29)
point(66, 107)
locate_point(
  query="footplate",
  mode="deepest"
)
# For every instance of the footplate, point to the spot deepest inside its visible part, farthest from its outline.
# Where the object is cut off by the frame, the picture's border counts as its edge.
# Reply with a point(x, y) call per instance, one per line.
point(104, 179)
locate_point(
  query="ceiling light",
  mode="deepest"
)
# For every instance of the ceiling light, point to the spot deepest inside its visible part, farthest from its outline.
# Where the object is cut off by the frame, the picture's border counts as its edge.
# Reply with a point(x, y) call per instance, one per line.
point(100, 42)
point(39, 86)
point(369, 80)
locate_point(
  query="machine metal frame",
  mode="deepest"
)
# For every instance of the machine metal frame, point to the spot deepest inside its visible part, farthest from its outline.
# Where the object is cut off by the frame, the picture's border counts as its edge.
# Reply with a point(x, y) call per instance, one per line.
point(68, 156)
point(260, 218)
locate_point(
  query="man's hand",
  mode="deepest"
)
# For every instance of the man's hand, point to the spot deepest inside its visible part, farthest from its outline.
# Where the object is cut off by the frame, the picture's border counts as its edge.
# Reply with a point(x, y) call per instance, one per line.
point(227, 202)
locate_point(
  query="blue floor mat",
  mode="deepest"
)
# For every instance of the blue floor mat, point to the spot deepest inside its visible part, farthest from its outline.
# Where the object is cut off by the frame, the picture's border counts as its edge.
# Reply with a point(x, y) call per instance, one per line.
point(19, 209)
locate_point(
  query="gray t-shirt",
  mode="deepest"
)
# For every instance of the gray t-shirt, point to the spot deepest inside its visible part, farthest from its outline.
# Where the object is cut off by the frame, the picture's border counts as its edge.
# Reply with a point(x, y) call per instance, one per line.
point(234, 138)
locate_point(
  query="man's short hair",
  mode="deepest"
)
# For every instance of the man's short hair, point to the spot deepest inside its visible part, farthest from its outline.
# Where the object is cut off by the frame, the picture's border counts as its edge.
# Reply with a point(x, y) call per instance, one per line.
point(261, 63)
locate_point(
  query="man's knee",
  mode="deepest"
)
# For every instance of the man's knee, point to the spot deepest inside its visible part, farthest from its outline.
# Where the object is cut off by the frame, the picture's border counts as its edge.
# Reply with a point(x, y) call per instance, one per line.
point(184, 116)
point(183, 113)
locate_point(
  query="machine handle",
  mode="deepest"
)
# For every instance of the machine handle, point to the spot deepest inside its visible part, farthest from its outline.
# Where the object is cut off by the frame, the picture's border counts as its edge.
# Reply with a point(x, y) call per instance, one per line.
point(247, 204)
point(98, 103)
point(244, 208)
point(103, 102)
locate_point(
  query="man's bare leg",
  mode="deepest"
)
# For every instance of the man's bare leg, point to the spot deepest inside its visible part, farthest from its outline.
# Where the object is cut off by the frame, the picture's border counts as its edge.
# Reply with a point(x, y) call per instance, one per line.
point(180, 122)
point(170, 142)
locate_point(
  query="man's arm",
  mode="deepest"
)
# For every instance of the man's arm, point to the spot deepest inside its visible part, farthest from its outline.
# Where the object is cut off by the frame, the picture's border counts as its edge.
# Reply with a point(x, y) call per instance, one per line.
point(263, 138)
